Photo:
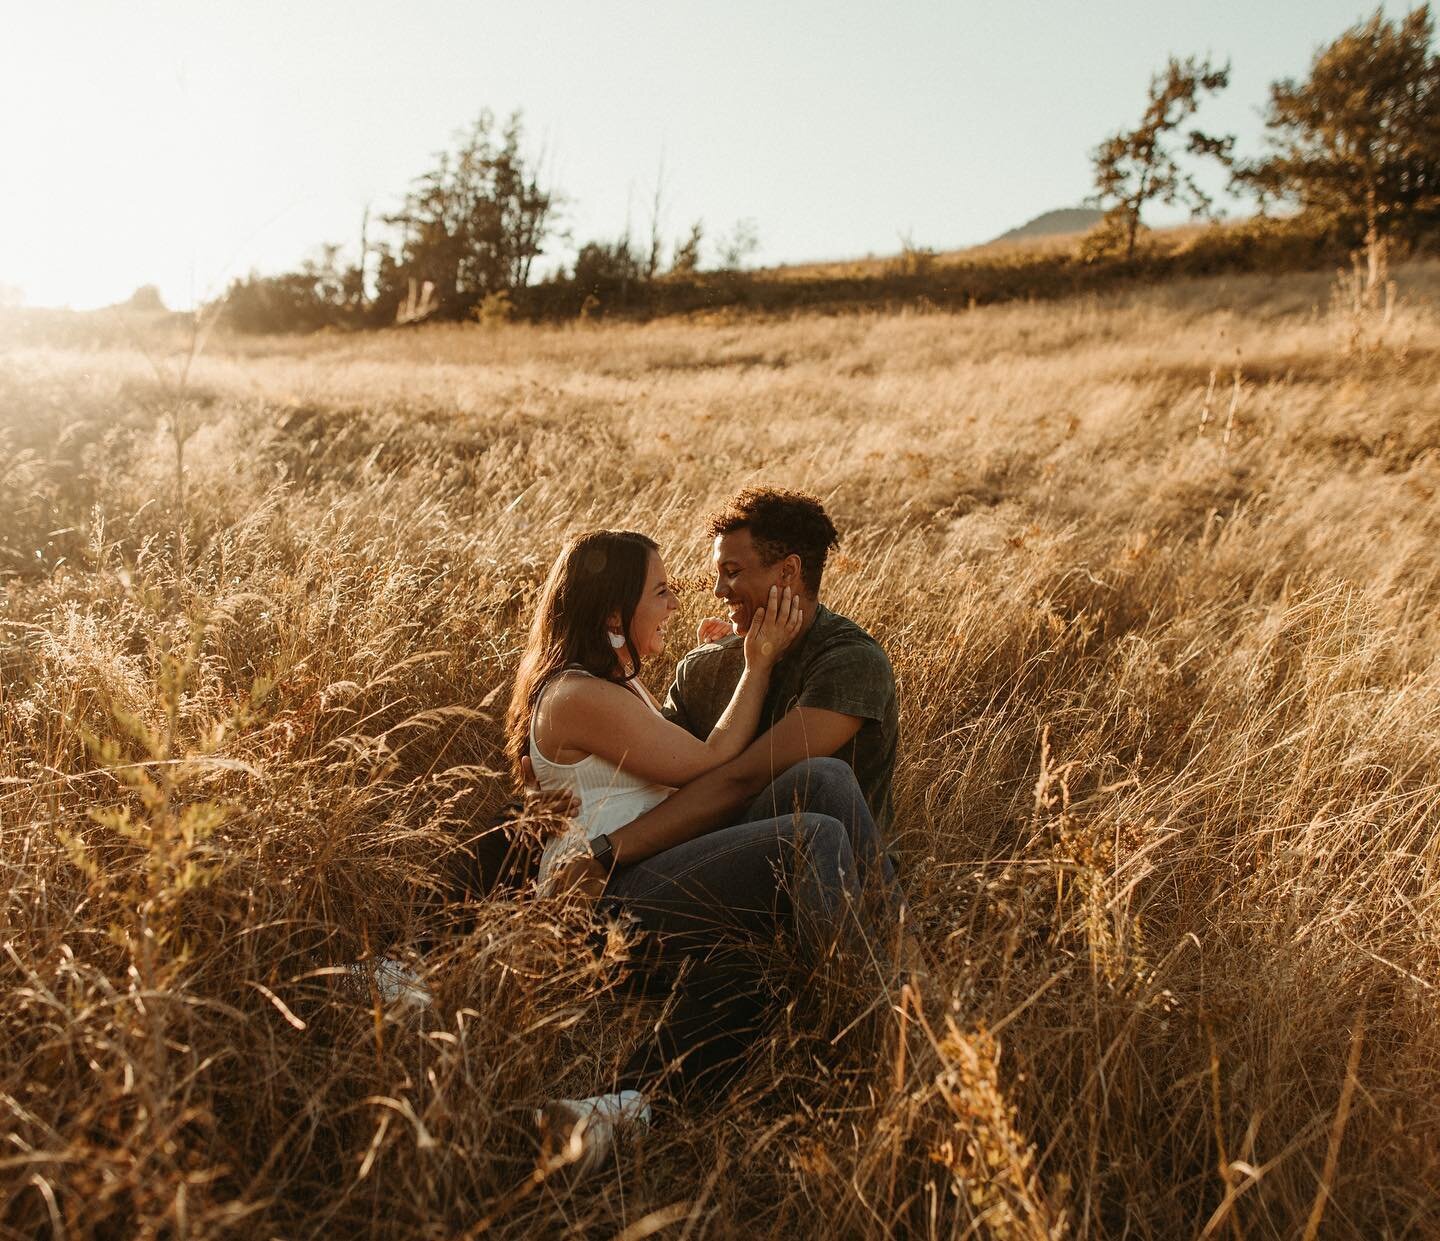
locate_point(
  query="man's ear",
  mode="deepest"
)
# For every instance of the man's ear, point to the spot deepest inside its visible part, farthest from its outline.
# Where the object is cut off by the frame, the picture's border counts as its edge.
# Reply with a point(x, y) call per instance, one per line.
point(790, 571)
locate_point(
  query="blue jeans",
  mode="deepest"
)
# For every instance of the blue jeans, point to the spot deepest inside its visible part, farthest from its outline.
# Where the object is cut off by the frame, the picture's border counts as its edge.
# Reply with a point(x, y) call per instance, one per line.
point(805, 861)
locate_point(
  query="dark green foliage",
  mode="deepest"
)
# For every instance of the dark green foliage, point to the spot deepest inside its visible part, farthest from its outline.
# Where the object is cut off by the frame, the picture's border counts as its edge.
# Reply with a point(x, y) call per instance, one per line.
point(320, 294)
point(607, 279)
point(976, 278)
point(607, 269)
point(473, 224)
point(1358, 141)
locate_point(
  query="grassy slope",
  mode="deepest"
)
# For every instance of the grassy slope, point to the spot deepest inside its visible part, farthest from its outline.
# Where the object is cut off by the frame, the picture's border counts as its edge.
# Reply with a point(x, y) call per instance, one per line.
point(1168, 794)
point(1000, 251)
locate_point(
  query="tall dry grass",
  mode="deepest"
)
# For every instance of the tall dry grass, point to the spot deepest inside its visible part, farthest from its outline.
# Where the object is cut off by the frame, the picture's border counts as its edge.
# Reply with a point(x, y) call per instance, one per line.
point(1167, 802)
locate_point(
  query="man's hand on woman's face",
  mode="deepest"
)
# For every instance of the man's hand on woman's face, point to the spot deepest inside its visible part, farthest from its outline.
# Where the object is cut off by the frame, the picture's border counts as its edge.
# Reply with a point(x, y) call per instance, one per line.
point(712, 629)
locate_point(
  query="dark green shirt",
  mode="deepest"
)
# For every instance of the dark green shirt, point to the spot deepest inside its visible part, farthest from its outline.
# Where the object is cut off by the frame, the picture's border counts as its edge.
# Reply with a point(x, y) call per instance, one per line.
point(836, 667)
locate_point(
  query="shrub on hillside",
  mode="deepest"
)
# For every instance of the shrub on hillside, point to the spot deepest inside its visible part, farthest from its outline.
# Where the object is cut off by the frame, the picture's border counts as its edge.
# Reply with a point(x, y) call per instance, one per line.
point(1109, 239)
point(496, 309)
point(1264, 244)
point(912, 260)
point(318, 295)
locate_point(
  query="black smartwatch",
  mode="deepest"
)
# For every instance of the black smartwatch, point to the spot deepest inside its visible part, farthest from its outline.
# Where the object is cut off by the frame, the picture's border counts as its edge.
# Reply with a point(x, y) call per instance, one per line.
point(603, 851)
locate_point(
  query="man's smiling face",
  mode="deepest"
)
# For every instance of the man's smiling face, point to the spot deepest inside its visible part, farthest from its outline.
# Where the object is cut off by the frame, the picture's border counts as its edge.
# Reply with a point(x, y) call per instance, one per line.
point(743, 579)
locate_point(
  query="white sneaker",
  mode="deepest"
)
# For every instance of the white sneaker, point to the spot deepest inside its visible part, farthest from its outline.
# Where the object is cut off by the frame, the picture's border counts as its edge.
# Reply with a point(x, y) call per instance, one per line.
point(579, 1134)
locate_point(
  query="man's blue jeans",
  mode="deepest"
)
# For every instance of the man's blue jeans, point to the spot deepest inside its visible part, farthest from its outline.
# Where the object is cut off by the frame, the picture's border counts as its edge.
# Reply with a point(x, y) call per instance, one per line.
point(805, 862)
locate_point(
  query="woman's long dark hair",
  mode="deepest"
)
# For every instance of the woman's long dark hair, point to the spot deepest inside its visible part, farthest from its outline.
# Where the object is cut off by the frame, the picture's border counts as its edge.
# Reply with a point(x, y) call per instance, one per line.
point(596, 574)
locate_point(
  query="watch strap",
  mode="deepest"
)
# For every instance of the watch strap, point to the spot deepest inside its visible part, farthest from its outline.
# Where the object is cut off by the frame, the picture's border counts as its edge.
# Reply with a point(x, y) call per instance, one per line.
point(602, 850)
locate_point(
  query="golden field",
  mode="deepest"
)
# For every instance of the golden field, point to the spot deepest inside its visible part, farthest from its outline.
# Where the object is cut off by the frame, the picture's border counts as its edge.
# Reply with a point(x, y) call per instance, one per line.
point(1159, 574)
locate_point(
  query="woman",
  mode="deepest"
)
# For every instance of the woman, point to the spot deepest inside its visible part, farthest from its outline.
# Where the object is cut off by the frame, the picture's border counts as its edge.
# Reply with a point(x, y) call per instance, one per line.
point(579, 712)
point(586, 724)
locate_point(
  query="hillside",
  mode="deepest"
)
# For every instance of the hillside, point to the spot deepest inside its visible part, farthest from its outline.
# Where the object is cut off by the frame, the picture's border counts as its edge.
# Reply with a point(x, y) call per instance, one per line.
point(1049, 223)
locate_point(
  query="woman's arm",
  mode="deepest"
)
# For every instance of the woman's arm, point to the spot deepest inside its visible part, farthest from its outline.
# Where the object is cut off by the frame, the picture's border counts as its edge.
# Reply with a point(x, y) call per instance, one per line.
point(771, 632)
point(601, 717)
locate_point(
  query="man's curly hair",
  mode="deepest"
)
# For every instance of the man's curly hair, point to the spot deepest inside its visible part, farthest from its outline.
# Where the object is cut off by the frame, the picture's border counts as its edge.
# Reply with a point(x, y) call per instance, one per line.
point(781, 522)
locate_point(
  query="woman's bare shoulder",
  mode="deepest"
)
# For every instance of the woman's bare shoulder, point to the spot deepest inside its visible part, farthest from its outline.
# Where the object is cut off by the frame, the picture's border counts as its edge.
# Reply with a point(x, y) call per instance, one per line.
point(573, 689)
point(574, 709)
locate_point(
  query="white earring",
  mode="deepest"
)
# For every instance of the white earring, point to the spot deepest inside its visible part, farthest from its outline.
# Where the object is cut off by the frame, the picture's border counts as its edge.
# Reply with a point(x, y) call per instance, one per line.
point(617, 640)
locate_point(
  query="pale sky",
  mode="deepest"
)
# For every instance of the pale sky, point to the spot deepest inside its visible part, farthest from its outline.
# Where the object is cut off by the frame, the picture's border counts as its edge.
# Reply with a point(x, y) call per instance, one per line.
point(184, 142)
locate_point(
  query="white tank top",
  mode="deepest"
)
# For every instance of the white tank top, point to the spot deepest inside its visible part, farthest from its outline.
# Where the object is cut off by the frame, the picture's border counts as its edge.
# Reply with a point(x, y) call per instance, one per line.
point(609, 797)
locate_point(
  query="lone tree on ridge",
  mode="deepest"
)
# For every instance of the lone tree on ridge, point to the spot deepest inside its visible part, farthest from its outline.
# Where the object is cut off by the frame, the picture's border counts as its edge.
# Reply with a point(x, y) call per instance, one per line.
point(1139, 166)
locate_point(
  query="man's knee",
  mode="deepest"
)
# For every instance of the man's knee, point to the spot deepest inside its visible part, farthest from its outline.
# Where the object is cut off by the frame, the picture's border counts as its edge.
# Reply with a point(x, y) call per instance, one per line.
point(827, 842)
point(825, 785)
point(825, 769)
point(818, 778)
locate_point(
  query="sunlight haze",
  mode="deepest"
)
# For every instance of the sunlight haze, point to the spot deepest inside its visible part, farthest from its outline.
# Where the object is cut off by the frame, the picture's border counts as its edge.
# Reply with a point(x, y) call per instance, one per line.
point(183, 145)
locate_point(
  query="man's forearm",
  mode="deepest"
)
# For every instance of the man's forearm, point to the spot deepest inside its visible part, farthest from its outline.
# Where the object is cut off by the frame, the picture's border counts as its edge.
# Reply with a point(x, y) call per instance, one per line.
point(715, 798)
point(702, 805)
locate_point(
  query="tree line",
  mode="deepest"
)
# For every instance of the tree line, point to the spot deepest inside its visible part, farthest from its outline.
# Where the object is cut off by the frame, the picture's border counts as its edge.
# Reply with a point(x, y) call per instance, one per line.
point(463, 244)
point(1351, 151)
point(1355, 146)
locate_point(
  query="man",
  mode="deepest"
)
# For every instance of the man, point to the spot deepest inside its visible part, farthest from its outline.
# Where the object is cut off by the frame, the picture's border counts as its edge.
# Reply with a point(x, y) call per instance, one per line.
point(832, 695)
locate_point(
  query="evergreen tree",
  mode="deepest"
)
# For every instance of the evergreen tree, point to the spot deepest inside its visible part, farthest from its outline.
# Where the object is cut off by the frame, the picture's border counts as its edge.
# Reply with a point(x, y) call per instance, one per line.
point(473, 224)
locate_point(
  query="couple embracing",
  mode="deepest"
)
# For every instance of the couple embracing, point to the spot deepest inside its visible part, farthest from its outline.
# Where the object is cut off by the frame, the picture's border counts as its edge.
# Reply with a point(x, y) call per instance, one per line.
point(753, 803)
